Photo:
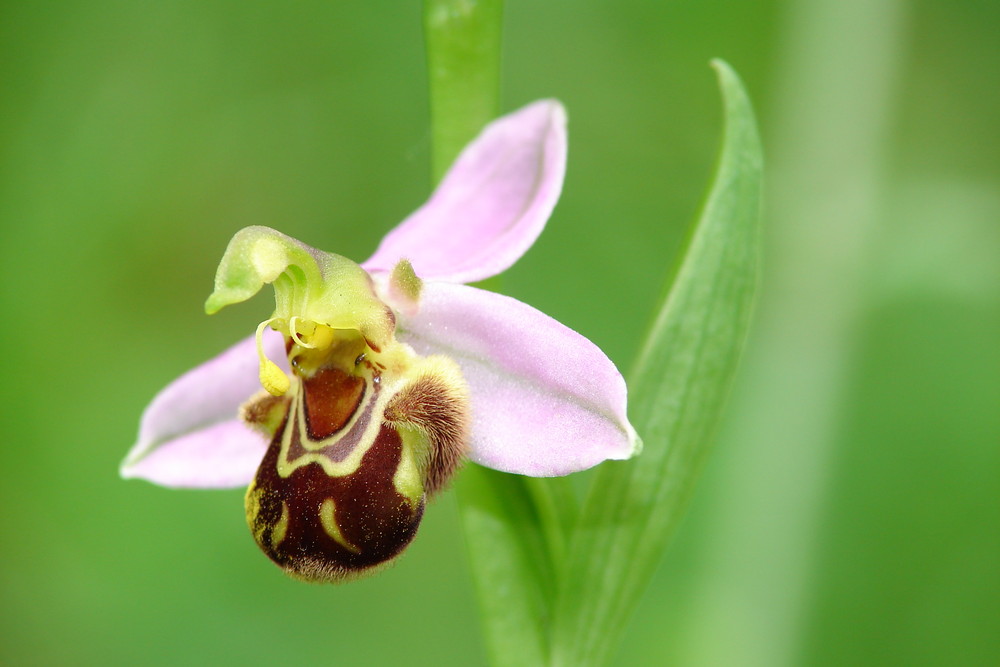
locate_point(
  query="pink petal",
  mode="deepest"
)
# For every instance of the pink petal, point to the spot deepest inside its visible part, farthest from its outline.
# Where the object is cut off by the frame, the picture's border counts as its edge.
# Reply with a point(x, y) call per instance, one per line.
point(545, 400)
point(220, 456)
point(492, 204)
point(189, 434)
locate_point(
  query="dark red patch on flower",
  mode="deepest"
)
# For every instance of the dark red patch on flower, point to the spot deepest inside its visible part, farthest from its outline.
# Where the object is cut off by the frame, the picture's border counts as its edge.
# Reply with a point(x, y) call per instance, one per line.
point(375, 522)
point(331, 398)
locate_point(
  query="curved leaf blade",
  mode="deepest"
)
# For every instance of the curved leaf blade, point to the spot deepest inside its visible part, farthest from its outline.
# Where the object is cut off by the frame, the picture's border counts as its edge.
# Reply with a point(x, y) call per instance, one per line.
point(678, 391)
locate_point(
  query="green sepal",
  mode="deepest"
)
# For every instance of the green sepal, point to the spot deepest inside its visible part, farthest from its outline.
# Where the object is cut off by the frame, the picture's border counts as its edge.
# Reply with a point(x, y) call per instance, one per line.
point(314, 286)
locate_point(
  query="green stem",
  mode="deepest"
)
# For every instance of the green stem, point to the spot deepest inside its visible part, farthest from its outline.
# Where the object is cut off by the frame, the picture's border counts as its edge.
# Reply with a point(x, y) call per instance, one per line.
point(463, 65)
point(512, 525)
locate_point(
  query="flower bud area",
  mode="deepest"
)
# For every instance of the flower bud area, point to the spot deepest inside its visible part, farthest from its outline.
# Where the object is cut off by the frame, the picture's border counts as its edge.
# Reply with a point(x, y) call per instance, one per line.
point(359, 436)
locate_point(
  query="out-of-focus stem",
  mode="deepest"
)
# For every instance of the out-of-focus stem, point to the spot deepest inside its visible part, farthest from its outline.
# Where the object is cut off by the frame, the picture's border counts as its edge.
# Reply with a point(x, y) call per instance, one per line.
point(463, 65)
point(828, 146)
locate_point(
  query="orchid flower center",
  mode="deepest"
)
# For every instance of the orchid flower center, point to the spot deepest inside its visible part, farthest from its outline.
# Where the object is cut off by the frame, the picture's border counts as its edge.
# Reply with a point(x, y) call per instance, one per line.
point(319, 299)
point(310, 340)
point(362, 431)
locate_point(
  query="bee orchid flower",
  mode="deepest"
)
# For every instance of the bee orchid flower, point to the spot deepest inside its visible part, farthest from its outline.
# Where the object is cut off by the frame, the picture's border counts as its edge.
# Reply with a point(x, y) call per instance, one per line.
point(371, 384)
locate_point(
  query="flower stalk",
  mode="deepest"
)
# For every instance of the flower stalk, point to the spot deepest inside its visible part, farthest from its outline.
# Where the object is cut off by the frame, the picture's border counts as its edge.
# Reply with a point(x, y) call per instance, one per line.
point(463, 71)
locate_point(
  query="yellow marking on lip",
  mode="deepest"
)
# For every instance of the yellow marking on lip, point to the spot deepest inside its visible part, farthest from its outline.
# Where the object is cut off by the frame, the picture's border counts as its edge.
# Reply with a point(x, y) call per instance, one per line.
point(408, 480)
point(287, 465)
point(327, 515)
point(281, 528)
point(252, 505)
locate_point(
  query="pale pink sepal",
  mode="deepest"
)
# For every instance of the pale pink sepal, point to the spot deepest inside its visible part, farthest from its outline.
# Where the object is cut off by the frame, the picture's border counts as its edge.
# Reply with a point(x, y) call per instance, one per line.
point(491, 205)
point(223, 455)
point(545, 400)
point(189, 435)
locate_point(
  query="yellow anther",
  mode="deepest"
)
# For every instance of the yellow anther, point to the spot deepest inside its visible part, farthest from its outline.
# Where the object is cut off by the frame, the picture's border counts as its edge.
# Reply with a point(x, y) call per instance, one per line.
point(297, 328)
point(273, 378)
point(309, 334)
point(322, 337)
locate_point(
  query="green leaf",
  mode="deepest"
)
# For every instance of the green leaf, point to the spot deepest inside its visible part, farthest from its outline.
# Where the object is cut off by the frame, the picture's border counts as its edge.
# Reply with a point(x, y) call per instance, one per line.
point(678, 391)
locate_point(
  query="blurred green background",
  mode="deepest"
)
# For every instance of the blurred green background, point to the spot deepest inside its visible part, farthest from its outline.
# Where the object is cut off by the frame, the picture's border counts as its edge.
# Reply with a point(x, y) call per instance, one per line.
point(851, 511)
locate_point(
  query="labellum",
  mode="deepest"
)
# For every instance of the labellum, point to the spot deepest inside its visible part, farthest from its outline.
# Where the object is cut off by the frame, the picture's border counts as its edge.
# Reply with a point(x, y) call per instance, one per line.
point(364, 430)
